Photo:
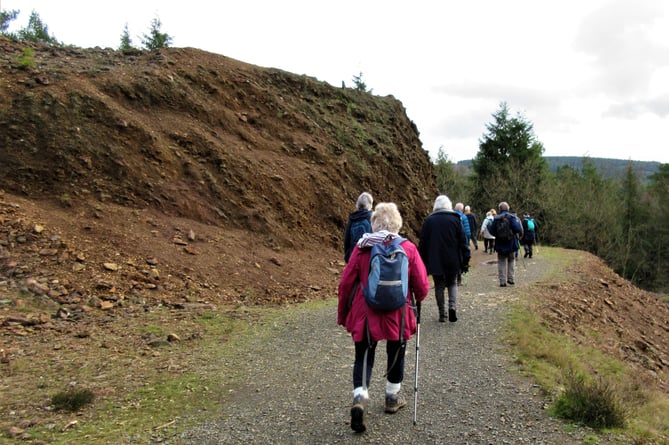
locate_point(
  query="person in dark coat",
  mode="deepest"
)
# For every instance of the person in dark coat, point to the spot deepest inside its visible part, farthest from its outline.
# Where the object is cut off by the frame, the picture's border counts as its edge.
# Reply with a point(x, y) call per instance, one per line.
point(359, 222)
point(460, 210)
point(506, 248)
point(529, 234)
point(368, 326)
point(444, 248)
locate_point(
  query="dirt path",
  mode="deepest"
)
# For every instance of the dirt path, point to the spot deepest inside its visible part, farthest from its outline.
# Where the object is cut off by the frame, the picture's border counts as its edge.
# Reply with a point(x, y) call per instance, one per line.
point(298, 388)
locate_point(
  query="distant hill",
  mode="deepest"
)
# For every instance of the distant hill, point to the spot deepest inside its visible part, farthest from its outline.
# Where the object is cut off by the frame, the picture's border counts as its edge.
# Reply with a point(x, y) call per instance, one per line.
point(608, 168)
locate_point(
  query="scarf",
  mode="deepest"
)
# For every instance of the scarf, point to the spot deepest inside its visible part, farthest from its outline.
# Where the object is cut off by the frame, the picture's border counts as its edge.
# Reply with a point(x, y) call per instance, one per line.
point(369, 239)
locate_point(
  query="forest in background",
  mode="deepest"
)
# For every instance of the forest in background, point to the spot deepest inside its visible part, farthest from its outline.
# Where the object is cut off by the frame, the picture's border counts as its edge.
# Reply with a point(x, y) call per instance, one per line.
point(615, 210)
point(608, 168)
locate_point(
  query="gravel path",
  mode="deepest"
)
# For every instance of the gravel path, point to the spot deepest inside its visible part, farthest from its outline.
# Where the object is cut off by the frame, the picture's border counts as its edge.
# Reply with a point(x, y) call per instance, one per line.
point(298, 389)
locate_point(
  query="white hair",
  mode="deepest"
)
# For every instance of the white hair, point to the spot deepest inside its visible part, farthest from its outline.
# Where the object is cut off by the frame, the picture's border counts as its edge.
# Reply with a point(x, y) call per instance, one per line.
point(386, 216)
point(442, 203)
point(365, 201)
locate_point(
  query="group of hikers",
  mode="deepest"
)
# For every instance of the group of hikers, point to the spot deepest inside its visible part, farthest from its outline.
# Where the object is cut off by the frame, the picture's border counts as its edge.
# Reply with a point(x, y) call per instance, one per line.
point(380, 263)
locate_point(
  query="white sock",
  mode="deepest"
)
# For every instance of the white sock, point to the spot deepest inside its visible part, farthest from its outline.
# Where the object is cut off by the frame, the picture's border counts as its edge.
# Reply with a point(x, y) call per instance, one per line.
point(360, 391)
point(392, 388)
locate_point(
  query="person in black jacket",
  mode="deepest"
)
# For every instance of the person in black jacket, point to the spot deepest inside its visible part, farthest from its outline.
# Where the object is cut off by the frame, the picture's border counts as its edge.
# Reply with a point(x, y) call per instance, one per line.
point(444, 248)
point(359, 223)
point(529, 234)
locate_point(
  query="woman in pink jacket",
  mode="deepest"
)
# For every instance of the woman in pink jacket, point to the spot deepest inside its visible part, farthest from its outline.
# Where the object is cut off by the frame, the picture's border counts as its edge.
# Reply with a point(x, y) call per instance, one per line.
point(367, 326)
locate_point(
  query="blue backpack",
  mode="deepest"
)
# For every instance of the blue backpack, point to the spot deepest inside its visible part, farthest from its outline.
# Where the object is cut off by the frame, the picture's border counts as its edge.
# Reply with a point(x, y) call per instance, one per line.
point(529, 233)
point(530, 224)
point(359, 228)
point(388, 280)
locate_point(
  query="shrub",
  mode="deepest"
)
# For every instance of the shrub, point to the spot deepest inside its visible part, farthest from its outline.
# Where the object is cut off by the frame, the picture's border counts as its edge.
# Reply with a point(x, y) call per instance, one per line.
point(72, 400)
point(26, 59)
point(592, 402)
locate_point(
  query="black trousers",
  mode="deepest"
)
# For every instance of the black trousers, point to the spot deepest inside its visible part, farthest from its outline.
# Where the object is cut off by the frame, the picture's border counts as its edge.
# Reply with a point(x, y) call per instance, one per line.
point(395, 351)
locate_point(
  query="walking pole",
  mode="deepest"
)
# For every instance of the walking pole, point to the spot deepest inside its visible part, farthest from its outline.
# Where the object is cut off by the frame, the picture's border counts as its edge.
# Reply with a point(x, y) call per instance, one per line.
point(415, 387)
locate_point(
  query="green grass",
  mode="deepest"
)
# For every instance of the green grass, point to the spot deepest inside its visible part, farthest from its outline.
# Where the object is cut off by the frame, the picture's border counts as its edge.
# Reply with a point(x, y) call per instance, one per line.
point(26, 59)
point(171, 402)
point(152, 329)
point(594, 402)
point(584, 385)
point(166, 400)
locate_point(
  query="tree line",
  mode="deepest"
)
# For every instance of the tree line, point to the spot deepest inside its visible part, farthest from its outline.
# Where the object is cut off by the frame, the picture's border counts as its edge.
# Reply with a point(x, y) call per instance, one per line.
point(38, 31)
point(619, 219)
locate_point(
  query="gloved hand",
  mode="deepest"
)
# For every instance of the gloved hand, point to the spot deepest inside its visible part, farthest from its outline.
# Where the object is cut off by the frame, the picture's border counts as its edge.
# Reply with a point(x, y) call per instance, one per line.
point(465, 268)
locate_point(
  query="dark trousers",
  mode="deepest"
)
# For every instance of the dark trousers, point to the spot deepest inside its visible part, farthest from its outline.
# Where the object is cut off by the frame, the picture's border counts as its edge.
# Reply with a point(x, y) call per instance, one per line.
point(489, 244)
point(442, 284)
point(395, 350)
point(528, 248)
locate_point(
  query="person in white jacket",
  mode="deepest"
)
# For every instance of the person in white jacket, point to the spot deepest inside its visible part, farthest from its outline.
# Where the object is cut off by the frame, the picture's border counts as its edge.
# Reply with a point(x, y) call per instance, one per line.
point(488, 239)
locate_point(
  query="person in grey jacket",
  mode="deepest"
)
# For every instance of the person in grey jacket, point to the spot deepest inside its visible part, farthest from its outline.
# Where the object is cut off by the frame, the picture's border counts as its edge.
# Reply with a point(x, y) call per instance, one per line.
point(444, 248)
point(488, 239)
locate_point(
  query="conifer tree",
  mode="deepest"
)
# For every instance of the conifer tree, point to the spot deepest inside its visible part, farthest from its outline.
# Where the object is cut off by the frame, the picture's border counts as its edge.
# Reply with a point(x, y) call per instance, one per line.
point(450, 181)
point(126, 41)
point(5, 18)
point(36, 31)
point(156, 39)
point(509, 165)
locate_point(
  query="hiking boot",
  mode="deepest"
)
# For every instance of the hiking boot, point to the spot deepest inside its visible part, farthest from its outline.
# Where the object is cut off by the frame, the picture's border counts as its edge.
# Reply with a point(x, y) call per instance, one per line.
point(442, 318)
point(511, 282)
point(394, 403)
point(452, 315)
point(502, 284)
point(358, 414)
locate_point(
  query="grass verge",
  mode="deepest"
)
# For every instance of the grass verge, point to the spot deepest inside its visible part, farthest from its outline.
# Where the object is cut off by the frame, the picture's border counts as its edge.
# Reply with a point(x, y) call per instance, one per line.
point(142, 394)
point(583, 385)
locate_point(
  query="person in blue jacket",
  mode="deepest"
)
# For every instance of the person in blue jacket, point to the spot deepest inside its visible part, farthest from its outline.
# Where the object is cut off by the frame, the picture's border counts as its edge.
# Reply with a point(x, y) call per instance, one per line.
point(506, 242)
point(459, 209)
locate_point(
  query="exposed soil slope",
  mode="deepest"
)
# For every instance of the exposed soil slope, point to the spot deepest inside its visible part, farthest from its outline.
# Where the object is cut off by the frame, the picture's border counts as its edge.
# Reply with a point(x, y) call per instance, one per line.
point(221, 174)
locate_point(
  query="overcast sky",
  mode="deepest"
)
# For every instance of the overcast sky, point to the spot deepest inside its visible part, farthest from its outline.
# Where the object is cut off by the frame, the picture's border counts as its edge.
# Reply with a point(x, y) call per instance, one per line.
point(592, 76)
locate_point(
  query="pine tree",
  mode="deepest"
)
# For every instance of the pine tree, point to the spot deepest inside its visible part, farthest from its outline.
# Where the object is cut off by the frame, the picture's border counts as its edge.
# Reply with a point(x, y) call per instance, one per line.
point(450, 181)
point(36, 31)
point(156, 39)
point(5, 18)
point(360, 84)
point(657, 230)
point(509, 165)
point(126, 41)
